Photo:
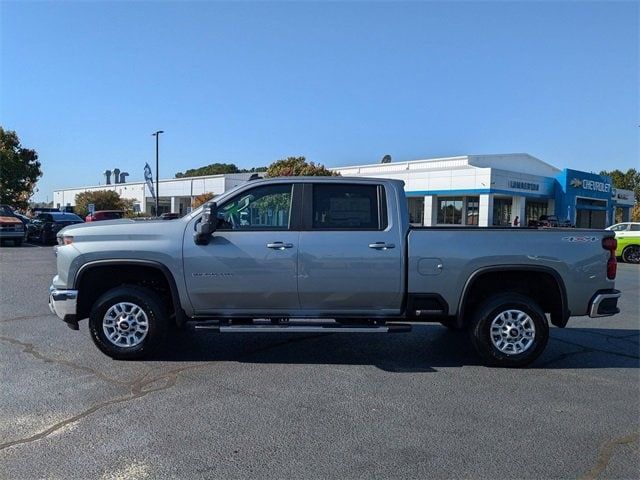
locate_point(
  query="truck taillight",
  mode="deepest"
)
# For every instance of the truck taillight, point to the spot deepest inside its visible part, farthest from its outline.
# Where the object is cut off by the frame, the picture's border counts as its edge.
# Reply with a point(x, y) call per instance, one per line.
point(610, 244)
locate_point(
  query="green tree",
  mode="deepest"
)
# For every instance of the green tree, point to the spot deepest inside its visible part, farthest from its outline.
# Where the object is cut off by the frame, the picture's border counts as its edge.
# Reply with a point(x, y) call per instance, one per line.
point(218, 169)
point(298, 166)
point(19, 170)
point(253, 170)
point(103, 200)
point(213, 169)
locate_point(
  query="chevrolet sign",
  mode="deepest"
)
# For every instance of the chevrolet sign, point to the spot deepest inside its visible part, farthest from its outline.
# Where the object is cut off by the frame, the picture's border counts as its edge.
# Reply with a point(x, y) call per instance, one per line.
point(591, 185)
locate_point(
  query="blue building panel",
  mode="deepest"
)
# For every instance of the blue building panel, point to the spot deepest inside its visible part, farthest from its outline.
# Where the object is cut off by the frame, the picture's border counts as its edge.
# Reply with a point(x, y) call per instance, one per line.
point(577, 190)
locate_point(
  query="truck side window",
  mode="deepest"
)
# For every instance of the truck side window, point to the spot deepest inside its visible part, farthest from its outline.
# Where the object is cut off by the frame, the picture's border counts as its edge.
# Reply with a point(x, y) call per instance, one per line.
point(348, 207)
point(261, 208)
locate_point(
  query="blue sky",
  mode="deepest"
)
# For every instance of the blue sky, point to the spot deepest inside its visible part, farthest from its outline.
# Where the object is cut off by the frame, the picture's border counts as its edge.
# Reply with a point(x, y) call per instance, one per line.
point(86, 83)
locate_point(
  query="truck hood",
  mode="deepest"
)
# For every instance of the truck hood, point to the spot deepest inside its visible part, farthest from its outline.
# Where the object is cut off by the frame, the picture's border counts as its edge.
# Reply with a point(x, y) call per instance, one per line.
point(5, 219)
point(124, 229)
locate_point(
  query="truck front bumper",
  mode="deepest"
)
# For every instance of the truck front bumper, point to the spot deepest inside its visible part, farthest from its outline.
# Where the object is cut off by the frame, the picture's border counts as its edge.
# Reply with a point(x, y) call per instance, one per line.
point(63, 304)
point(604, 303)
point(11, 235)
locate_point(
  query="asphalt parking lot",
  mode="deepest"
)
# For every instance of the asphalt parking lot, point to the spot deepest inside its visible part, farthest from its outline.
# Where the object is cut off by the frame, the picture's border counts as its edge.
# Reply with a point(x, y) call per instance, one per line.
point(415, 405)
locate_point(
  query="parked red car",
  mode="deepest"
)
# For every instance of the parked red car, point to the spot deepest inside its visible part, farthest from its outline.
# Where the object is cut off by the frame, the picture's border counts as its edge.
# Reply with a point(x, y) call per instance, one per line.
point(104, 215)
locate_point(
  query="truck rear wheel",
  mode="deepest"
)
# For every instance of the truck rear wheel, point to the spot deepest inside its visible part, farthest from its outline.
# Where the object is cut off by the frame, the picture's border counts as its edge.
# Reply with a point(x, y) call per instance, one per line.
point(128, 322)
point(509, 330)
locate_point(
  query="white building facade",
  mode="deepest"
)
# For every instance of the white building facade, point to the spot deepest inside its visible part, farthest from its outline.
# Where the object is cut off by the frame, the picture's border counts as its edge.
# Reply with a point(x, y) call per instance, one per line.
point(482, 190)
point(175, 194)
point(500, 190)
point(479, 190)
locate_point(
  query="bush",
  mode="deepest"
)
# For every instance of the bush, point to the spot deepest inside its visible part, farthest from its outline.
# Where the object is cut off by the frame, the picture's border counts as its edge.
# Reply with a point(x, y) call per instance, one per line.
point(103, 200)
point(200, 199)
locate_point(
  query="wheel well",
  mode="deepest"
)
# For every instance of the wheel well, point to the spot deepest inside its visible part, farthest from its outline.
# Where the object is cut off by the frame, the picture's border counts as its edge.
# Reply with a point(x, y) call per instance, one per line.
point(99, 279)
point(543, 287)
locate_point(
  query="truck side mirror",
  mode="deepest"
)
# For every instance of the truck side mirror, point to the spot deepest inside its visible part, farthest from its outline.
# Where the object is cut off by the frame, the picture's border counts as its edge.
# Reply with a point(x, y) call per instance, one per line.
point(207, 224)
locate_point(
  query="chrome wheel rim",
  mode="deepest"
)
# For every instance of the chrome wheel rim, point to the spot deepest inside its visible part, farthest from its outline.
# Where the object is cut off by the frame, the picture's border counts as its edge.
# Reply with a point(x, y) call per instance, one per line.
point(513, 332)
point(125, 324)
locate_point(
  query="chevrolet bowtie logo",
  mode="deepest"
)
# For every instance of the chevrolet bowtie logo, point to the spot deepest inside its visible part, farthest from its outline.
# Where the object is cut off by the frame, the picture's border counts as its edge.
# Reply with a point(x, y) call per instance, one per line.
point(576, 183)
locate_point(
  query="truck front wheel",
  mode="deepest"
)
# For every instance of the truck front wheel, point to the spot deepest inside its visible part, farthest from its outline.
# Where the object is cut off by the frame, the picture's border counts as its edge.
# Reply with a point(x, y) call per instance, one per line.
point(509, 330)
point(128, 322)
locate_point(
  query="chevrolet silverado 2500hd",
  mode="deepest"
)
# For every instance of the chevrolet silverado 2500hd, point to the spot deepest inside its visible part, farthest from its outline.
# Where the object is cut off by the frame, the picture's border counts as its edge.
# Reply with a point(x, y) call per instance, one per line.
point(273, 254)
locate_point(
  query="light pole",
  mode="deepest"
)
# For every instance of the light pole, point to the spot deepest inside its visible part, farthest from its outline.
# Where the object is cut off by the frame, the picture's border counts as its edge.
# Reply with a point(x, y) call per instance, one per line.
point(157, 135)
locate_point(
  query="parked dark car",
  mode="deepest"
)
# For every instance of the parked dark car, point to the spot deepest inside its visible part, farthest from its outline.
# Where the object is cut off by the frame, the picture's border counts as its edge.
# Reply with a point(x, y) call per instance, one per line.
point(38, 210)
point(47, 225)
point(104, 215)
point(29, 228)
point(170, 216)
point(549, 221)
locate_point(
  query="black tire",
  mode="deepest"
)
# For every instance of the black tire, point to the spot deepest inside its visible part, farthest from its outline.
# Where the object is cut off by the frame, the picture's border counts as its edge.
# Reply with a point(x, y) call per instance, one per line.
point(43, 238)
point(481, 335)
point(152, 306)
point(631, 254)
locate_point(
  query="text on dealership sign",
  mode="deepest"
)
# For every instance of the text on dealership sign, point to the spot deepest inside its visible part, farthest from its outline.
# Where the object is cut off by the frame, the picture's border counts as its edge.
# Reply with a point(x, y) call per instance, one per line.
point(591, 185)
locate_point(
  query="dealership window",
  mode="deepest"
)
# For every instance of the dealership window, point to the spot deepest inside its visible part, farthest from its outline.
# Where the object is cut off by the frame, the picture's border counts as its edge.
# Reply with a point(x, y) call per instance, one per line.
point(473, 210)
point(450, 211)
point(590, 202)
point(502, 211)
point(534, 210)
point(416, 210)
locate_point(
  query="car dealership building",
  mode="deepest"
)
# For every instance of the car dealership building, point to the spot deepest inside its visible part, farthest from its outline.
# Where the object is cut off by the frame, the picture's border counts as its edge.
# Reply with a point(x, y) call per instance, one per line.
point(492, 190)
point(483, 190)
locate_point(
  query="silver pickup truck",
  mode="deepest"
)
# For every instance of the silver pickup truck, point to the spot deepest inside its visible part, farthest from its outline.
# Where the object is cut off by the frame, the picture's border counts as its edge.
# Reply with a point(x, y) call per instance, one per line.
point(311, 254)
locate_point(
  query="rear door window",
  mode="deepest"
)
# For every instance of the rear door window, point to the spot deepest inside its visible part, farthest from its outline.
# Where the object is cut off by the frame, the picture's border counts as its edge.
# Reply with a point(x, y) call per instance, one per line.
point(348, 207)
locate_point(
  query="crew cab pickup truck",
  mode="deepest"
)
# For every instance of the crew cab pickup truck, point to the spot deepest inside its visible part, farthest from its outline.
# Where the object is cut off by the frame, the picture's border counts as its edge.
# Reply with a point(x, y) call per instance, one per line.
point(312, 254)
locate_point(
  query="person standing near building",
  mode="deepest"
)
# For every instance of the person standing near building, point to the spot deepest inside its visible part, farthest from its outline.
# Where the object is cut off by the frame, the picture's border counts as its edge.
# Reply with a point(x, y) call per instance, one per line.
point(516, 221)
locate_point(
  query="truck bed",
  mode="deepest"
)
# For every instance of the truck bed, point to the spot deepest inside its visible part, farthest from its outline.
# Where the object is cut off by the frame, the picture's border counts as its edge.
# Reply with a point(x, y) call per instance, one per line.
point(441, 259)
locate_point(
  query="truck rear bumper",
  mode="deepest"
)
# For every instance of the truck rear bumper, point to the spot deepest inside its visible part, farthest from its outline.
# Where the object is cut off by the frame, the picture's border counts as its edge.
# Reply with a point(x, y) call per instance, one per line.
point(604, 303)
point(63, 304)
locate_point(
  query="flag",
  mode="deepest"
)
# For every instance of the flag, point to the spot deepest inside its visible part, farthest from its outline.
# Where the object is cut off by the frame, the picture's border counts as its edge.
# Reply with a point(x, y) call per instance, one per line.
point(148, 177)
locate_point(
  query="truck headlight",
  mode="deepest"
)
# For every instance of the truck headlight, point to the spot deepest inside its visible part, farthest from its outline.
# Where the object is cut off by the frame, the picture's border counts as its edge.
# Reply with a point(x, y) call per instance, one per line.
point(65, 240)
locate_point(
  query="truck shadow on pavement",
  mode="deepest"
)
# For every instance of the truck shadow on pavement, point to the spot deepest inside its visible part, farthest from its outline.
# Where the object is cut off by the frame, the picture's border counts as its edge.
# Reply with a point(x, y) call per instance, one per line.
point(427, 348)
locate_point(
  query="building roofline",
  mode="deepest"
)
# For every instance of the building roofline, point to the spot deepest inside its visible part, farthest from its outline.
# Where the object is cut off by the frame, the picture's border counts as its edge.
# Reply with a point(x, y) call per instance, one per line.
point(142, 182)
point(553, 167)
point(404, 162)
point(468, 158)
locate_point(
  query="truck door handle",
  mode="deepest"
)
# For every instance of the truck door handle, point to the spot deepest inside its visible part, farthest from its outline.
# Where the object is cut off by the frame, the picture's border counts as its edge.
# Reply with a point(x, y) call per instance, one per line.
point(279, 245)
point(381, 245)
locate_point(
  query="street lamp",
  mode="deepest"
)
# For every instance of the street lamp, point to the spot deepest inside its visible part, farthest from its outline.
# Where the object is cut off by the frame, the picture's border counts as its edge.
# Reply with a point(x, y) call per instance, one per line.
point(157, 135)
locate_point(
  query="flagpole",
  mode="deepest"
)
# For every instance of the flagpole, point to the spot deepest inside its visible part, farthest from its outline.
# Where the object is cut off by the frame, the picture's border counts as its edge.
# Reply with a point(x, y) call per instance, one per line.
point(157, 135)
